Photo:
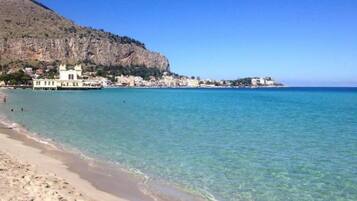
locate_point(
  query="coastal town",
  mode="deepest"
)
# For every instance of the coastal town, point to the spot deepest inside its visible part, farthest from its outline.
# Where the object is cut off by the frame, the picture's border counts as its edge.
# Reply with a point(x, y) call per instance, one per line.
point(73, 77)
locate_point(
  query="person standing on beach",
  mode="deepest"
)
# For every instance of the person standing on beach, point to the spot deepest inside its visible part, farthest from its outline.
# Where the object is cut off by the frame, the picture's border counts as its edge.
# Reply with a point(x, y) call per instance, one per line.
point(4, 99)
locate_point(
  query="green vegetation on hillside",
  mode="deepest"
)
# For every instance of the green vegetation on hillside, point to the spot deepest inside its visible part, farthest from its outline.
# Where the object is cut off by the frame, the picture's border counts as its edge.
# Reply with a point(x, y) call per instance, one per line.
point(5, 66)
point(242, 82)
point(112, 71)
point(17, 78)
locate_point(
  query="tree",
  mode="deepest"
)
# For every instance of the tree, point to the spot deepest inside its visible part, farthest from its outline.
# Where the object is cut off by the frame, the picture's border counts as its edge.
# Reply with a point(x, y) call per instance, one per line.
point(242, 82)
point(101, 73)
point(17, 78)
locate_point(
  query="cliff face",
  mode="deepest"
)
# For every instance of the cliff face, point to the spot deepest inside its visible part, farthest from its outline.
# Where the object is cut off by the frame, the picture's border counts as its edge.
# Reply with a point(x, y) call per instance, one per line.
point(74, 50)
point(32, 32)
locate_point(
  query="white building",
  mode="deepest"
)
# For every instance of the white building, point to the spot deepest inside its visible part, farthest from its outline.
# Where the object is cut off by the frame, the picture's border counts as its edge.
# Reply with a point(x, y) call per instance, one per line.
point(267, 81)
point(193, 83)
point(29, 71)
point(68, 79)
point(71, 74)
point(168, 81)
point(130, 80)
point(270, 82)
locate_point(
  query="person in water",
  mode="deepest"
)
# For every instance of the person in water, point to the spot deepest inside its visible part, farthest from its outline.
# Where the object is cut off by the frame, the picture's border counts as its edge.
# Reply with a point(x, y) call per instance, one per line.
point(12, 110)
point(4, 99)
point(22, 109)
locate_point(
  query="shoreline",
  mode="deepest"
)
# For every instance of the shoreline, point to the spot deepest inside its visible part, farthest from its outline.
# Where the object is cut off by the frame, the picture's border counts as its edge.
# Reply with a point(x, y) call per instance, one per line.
point(76, 171)
point(92, 178)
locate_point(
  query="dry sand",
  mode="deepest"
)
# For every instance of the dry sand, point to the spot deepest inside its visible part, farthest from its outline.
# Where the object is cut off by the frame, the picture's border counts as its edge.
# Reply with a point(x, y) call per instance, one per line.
point(33, 171)
point(27, 174)
point(21, 181)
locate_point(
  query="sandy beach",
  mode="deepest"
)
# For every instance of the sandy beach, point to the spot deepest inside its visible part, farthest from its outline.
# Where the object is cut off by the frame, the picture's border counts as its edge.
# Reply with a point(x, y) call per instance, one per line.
point(26, 173)
point(22, 181)
point(30, 170)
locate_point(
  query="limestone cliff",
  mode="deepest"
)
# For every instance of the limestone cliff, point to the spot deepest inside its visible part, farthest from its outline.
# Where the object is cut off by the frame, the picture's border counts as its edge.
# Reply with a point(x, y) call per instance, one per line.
point(30, 32)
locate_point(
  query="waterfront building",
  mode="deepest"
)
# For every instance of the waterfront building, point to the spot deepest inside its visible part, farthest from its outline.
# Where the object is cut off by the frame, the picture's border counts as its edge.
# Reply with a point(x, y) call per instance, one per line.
point(193, 83)
point(68, 79)
point(130, 81)
point(168, 81)
point(266, 81)
point(105, 82)
point(270, 82)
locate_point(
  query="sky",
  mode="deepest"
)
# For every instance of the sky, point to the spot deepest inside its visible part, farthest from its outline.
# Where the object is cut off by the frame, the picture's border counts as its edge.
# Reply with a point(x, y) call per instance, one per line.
point(297, 42)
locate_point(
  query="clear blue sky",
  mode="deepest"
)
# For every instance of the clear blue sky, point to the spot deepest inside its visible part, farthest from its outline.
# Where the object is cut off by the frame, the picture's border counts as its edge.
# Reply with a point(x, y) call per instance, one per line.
point(301, 42)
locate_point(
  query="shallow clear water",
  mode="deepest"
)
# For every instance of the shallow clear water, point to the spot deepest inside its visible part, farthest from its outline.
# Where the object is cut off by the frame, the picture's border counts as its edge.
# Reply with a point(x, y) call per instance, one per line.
point(237, 144)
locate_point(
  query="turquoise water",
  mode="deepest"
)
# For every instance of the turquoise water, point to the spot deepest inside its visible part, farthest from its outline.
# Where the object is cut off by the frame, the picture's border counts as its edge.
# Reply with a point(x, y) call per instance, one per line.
point(294, 144)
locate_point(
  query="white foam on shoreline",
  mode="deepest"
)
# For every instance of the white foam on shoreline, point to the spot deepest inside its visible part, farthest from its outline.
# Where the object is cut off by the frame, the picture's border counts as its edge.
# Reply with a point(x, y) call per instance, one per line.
point(148, 185)
point(163, 187)
point(25, 132)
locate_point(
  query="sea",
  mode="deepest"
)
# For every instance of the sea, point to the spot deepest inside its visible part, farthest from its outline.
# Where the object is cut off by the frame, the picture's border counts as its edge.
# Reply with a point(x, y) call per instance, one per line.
point(271, 144)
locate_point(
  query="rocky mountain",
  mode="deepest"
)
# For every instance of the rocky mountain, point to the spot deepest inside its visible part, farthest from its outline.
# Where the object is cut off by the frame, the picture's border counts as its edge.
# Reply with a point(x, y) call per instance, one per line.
point(33, 34)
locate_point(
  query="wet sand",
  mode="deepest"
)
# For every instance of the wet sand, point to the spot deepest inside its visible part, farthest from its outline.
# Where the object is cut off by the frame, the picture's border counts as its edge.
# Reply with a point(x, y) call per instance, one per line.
point(39, 171)
point(55, 174)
